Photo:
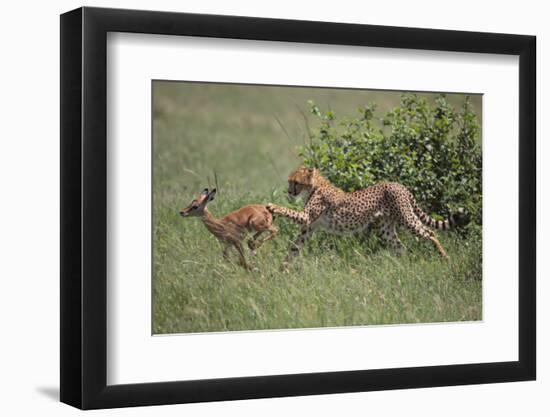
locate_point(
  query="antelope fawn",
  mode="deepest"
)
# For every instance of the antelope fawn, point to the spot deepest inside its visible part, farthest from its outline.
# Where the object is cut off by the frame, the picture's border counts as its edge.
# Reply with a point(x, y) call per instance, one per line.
point(234, 227)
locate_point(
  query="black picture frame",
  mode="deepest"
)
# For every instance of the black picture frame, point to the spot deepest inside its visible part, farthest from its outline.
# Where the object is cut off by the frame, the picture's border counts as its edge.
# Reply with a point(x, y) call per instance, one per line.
point(84, 207)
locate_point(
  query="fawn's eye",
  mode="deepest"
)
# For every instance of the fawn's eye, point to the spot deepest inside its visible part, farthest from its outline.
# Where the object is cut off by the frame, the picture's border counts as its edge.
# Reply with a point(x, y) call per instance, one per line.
point(194, 207)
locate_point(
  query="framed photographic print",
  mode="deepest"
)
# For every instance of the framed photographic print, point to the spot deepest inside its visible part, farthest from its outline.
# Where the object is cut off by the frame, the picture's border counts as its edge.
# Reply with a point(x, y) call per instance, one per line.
point(257, 208)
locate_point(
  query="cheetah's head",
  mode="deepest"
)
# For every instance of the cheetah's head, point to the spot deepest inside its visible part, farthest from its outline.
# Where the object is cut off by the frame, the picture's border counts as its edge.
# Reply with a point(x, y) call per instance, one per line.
point(301, 180)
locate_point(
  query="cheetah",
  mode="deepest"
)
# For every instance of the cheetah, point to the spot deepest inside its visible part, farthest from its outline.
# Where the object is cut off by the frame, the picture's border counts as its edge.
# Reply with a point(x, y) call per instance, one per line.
point(383, 205)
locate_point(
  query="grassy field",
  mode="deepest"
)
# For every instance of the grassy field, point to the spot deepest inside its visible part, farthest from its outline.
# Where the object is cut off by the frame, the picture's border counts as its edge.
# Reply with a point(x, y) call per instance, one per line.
point(248, 136)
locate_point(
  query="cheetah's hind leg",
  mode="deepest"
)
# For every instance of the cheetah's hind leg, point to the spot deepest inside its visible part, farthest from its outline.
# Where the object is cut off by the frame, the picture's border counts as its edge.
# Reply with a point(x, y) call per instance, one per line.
point(409, 219)
point(415, 225)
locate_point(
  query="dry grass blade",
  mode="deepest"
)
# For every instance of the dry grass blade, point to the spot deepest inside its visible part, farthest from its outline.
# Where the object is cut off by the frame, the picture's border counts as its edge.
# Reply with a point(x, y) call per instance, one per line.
point(281, 125)
point(272, 162)
point(306, 122)
point(216, 181)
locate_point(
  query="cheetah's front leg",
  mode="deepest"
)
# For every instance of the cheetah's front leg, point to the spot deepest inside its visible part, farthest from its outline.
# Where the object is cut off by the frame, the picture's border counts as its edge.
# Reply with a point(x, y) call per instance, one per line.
point(300, 217)
point(306, 218)
point(296, 246)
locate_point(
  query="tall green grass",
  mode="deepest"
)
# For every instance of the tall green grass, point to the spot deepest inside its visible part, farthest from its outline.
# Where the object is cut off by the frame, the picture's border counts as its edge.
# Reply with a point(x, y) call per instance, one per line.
point(248, 137)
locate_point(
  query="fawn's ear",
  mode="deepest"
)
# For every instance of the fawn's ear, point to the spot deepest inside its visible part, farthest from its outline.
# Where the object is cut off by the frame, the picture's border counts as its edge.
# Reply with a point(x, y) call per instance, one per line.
point(204, 192)
point(211, 195)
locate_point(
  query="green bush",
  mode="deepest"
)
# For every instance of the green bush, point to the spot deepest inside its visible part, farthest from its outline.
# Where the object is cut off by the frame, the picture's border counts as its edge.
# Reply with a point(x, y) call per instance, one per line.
point(432, 149)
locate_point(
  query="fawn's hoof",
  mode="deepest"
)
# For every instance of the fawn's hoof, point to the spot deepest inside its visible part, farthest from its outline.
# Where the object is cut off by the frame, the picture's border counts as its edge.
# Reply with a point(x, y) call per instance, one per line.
point(285, 268)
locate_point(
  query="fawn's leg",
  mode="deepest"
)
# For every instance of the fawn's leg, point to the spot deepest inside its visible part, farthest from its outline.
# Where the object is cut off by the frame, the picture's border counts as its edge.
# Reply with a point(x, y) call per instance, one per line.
point(242, 259)
point(255, 244)
point(226, 252)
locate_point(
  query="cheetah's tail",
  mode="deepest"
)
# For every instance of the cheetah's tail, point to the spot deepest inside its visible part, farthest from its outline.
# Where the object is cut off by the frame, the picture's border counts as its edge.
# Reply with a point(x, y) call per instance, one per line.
point(456, 219)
